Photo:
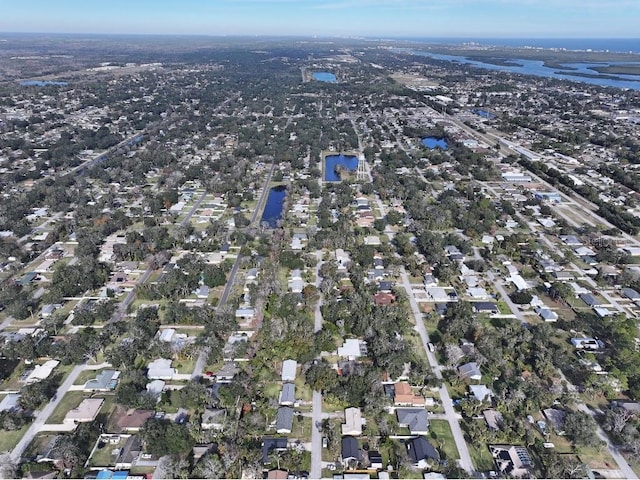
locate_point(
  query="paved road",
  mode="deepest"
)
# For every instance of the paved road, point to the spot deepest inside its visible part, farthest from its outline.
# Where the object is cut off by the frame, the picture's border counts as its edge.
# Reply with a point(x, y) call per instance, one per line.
point(316, 412)
point(316, 437)
point(46, 412)
point(201, 362)
point(465, 458)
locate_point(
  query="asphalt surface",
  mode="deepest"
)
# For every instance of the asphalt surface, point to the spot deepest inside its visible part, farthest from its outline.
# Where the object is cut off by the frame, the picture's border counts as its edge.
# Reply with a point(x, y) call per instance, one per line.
point(452, 417)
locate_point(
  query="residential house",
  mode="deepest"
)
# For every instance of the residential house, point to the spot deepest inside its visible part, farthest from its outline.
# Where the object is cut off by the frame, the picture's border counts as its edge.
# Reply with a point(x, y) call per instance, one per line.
point(470, 371)
point(160, 369)
point(586, 343)
point(9, 402)
point(485, 307)
point(493, 418)
point(85, 412)
point(556, 418)
point(227, 372)
point(631, 294)
point(213, 419)
point(404, 396)
point(590, 300)
point(383, 299)
point(353, 349)
point(271, 444)
point(353, 422)
point(422, 453)
point(289, 368)
point(350, 450)
point(288, 394)
point(133, 420)
point(343, 259)
point(512, 460)
point(284, 420)
point(480, 393)
point(415, 419)
point(105, 381)
point(41, 372)
point(547, 314)
point(129, 454)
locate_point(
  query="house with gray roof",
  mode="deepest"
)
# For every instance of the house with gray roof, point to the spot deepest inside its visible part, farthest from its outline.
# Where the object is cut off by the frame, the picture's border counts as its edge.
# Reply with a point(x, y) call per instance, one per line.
point(284, 420)
point(421, 452)
point(350, 450)
point(415, 419)
point(105, 381)
point(288, 394)
point(470, 370)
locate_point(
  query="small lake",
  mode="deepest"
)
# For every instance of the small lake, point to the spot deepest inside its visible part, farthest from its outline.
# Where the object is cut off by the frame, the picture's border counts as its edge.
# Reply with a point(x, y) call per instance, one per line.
point(433, 142)
point(349, 162)
point(42, 83)
point(275, 203)
point(324, 77)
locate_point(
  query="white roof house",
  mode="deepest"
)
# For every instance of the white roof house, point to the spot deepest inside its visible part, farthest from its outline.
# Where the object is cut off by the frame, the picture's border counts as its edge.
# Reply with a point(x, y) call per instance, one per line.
point(352, 348)
point(353, 422)
point(155, 388)
point(85, 412)
point(289, 368)
point(160, 369)
point(9, 402)
point(42, 372)
point(519, 282)
point(167, 334)
point(343, 259)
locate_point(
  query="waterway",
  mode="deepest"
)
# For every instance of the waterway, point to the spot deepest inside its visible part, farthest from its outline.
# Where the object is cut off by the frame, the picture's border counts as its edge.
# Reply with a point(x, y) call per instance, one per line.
point(324, 77)
point(275, 203)
point(538, 69)
point(433, 142)
point(349, 162)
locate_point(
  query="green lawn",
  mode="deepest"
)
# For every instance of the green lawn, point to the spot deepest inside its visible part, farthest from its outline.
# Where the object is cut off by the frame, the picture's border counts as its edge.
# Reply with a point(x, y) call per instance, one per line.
point(440, 434)
point(8, 440)
point(482, 459)
point(102, 457)
point(69, 401)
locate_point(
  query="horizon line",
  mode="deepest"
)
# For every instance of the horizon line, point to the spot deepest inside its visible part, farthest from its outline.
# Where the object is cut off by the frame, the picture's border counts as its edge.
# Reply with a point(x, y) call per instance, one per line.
point(312, 36)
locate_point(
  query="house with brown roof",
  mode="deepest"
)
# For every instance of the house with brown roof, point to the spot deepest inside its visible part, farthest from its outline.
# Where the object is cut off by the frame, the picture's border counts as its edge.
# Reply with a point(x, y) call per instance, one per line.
point(382, 299)
point(133, 420)
point(404, 396)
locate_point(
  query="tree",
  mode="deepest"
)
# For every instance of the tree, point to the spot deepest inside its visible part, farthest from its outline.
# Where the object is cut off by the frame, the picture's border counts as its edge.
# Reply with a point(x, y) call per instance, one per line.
point(581, 428)
point(163, 437)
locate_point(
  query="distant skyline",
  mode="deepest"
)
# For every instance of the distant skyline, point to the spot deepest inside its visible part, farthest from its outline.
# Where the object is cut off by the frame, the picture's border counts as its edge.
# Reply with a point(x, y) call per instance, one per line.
point(371, 18)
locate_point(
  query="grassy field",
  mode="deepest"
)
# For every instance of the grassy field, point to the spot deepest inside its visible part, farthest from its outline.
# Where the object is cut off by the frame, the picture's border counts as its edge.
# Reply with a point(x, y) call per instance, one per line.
point(8, 440)
point(442, 438)
point(482, 459)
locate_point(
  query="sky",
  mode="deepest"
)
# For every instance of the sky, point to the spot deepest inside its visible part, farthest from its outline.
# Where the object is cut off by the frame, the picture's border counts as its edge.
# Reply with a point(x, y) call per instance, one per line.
point(372, 18)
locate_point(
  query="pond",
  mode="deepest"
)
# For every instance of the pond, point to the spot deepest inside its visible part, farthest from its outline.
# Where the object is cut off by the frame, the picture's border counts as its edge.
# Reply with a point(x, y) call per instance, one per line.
point(433, 142)
point(275, 203)
point(350, 162)
point(324, 77)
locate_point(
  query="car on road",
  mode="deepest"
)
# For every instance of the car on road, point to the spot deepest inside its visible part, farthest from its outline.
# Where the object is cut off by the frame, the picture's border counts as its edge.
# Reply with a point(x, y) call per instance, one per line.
point(432, 348)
